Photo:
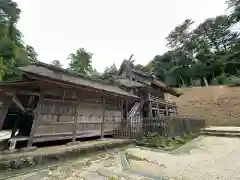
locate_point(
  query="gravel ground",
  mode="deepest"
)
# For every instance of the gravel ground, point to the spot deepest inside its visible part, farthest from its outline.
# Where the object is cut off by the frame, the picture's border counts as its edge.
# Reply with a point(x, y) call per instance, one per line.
point(205, 158)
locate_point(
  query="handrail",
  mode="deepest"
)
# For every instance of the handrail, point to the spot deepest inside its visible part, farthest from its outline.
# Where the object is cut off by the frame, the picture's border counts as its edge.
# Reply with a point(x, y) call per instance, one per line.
point(134, 109)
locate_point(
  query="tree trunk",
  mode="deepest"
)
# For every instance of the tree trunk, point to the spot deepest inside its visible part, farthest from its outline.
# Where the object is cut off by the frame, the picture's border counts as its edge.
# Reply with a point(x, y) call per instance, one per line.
point(183, 83)
point(205, 81)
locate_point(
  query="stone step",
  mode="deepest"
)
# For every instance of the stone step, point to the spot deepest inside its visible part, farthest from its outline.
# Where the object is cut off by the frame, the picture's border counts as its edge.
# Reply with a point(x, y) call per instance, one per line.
point(221, 133)
point(222, 129)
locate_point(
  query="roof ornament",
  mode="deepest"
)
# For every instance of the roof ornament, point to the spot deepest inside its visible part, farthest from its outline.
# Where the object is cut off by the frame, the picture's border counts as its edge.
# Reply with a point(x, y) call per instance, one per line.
point(130, 61)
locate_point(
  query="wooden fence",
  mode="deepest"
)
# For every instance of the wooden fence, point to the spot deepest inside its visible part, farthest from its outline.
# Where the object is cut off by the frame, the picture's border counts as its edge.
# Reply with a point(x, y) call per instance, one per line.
point(165, 126)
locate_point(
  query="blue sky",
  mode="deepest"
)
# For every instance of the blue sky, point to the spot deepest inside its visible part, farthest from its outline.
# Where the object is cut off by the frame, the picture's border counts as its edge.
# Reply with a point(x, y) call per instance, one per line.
point(111, 29)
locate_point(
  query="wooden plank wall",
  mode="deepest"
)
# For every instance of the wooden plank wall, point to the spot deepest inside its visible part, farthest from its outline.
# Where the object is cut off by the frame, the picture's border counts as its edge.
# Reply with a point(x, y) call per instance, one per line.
point(57, 117)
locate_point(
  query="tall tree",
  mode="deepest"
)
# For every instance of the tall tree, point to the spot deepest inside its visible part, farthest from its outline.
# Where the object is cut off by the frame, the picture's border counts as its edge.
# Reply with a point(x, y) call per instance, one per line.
point(32, 55)
point(81, 61)
point(234, 5)
point(216, 32)
point(181, 42)
point(13, 53)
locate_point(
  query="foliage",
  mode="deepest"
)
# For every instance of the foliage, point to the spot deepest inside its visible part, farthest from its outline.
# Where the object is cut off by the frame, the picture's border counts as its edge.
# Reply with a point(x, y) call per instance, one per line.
point(155, 140)
point(208, 53)
point(81, 61)
point(13, 52)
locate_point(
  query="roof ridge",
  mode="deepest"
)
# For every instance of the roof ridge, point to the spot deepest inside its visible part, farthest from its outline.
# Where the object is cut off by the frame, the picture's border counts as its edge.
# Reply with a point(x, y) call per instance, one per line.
point(71, 72)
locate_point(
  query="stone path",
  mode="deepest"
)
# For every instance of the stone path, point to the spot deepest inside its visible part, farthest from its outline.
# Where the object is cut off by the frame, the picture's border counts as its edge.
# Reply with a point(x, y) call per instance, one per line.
point(205, 158)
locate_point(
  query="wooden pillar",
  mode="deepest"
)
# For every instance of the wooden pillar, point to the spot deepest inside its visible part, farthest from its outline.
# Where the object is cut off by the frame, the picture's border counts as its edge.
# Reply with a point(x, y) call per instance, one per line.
point(103, 117)
point(122, 110)
point(126, 109)
point(7, 100)
point(166, 110)
point(158, 113)
point(75, 117)
point(122, 115)
point(150, 115)
point(37, 119)
point(176, 111)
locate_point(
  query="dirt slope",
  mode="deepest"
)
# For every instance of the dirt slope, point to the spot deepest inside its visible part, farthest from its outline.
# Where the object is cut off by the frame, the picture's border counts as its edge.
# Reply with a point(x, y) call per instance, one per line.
point(219, 105)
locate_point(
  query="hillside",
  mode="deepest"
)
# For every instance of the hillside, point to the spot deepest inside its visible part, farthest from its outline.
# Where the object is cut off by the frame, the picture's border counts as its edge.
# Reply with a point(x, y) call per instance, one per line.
point(219, 105)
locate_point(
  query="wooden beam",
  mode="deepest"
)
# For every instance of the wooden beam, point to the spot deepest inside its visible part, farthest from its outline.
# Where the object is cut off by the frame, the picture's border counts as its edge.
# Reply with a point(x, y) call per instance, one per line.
point(60, 100)
point(103, 118)
point(8, 83)
point(18, 103)
point(37, 119)
point(7, 100)
point(18, 91)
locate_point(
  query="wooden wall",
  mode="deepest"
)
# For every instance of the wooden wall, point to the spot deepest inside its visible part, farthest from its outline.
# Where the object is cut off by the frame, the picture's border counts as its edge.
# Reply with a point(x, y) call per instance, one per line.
point(60, 108)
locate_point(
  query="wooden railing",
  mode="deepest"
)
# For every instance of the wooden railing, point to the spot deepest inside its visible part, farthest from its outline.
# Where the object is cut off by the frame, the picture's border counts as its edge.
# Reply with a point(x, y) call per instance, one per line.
point(161, 101)
point(165, 126)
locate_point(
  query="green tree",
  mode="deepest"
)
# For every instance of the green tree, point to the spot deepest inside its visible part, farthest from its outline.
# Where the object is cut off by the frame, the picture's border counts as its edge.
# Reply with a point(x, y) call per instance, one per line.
point(32, 55)
point(80, 61)
point(234, 6)
point(13, 53)
point(181, 58)
point(217, 33)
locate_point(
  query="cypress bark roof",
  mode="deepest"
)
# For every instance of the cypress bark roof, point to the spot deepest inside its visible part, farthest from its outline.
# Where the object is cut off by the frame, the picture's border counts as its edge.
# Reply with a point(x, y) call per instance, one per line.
point(124, 81)
point(145, 78)
point(64, 75)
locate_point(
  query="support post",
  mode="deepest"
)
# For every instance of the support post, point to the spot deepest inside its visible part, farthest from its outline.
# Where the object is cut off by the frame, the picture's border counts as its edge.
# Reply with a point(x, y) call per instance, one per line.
point(103, 118)
point(166, 120)
point(7, 100)
point(177, 111)
point(77, 108)
point(126, 109)
point(166, 110)
point(158, 113)
point(37, 119)
point(75, 120)
point(122, 116)
point(150, 115)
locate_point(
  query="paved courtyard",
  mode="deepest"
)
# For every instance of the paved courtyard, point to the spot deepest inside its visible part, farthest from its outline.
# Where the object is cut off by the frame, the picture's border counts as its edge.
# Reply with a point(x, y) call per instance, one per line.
point(205, 158)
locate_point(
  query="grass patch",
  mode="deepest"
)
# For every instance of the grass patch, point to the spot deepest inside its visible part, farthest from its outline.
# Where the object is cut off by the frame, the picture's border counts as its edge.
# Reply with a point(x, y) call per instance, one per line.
point(156, 141)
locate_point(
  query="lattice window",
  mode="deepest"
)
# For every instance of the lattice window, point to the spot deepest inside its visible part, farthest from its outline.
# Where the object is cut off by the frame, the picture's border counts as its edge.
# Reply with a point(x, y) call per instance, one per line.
point(71, 94)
